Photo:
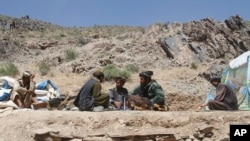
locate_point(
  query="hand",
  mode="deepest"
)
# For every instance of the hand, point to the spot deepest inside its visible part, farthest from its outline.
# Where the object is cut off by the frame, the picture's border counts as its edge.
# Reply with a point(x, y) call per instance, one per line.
point(201, 106)
point(117, 104)
point(32, 76)
point(29, 92)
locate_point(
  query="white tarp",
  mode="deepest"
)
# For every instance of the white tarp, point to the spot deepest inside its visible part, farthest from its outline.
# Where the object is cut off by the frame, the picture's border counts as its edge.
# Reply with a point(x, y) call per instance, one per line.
point(240, 60)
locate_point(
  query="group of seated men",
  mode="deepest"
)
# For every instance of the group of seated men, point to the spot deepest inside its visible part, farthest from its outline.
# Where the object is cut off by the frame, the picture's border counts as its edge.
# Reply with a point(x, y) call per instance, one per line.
point(148, 95)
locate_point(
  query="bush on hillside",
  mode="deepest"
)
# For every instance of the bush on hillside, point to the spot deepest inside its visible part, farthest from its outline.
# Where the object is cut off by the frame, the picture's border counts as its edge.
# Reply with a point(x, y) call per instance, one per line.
point(111, 72)
point(44, 69)
point(194, 65)
point(71, 54)
point(132, 68)
point(8, 69)
point(83, 41)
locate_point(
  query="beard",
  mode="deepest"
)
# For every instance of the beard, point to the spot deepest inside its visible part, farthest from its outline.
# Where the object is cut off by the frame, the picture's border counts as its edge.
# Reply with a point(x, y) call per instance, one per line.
point(143, 84)
point(215, 85)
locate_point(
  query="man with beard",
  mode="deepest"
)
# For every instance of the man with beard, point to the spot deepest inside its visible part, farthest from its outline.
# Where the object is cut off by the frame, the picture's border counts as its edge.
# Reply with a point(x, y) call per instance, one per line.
point(149, 94)
point(118, 94)
point(225, 98)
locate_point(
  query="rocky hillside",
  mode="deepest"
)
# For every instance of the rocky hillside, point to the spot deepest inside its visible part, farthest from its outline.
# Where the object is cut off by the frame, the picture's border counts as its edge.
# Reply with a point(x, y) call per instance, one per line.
point(205, 42)
point(180, 54)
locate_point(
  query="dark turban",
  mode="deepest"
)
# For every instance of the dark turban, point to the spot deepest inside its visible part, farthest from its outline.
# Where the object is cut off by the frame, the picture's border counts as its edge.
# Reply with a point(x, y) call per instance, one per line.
point(146, 74)
point(215, 78)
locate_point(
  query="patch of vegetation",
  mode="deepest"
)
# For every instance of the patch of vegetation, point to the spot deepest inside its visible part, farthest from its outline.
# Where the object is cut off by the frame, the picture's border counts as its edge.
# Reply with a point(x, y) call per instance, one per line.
point(52, 74)
point(132, 68)
point(121, 38)
point(71, 54)
point(44, 69)
point(38, 52)
point(178, 32)
point(58, 37)
point(111, 72)
point(8, 69)
point(16, 42)
point(83, 41)
point(247, 23)
point(194, 65)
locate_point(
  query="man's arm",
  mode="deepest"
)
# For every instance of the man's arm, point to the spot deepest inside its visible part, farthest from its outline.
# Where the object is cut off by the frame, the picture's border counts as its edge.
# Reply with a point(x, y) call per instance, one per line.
point(96, 90)
point(135, 91)
point(220, 93)
point(158, 92)
point(32, 83)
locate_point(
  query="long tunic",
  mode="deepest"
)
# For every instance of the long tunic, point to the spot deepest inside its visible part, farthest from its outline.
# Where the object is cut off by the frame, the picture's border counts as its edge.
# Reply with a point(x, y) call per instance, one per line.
point(225, 99)
point(117, 95)
point(100, 99)
point(153, 91)
point(90, 95)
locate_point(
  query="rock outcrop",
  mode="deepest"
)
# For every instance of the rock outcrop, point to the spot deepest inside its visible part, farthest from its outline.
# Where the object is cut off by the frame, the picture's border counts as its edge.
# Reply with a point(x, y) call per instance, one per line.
point(159, 45)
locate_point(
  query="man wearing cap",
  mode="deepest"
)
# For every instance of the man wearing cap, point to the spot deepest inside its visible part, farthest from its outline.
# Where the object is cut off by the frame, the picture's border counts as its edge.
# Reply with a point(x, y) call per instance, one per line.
point(90, 95)
point(225, 98)
point(118, 94)
point(24, 95)
point(150, 90)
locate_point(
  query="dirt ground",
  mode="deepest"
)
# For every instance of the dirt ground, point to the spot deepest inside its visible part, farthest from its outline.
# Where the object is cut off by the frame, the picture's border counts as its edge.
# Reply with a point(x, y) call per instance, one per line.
point(184, 91)
point(20, 125)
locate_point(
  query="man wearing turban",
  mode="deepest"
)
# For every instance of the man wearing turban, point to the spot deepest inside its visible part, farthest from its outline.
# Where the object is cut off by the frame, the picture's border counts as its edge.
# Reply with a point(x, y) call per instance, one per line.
point(90, 95)
point(24, 95)
point(225, 98)
point(149, 92)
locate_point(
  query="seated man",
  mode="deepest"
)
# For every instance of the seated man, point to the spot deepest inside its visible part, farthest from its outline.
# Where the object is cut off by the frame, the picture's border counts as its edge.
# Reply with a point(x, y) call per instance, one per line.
point(225, 98)
point(151, 93)
point(118, 94)
point(23, 96)
point(90, 95)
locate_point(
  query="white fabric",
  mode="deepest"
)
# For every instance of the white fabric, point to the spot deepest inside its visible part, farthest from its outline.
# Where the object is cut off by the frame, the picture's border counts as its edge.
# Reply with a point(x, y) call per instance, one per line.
point(240, 60)
point(11, 81)
point(4, 104)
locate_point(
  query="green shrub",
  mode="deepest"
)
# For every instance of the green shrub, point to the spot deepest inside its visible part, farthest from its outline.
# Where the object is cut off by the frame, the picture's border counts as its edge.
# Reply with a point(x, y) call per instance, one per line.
point(121, 38)
point(194, 65)
point(111, 72)
point(44, 69)
point(178, 32)
point(83, 41)
point(132, 68)
point(125, 73)
point(71, 54)
point(38, 53)
point(8, 69)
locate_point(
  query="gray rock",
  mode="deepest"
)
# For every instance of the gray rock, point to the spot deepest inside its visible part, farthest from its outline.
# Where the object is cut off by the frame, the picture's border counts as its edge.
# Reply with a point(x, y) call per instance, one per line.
point(206, 129)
